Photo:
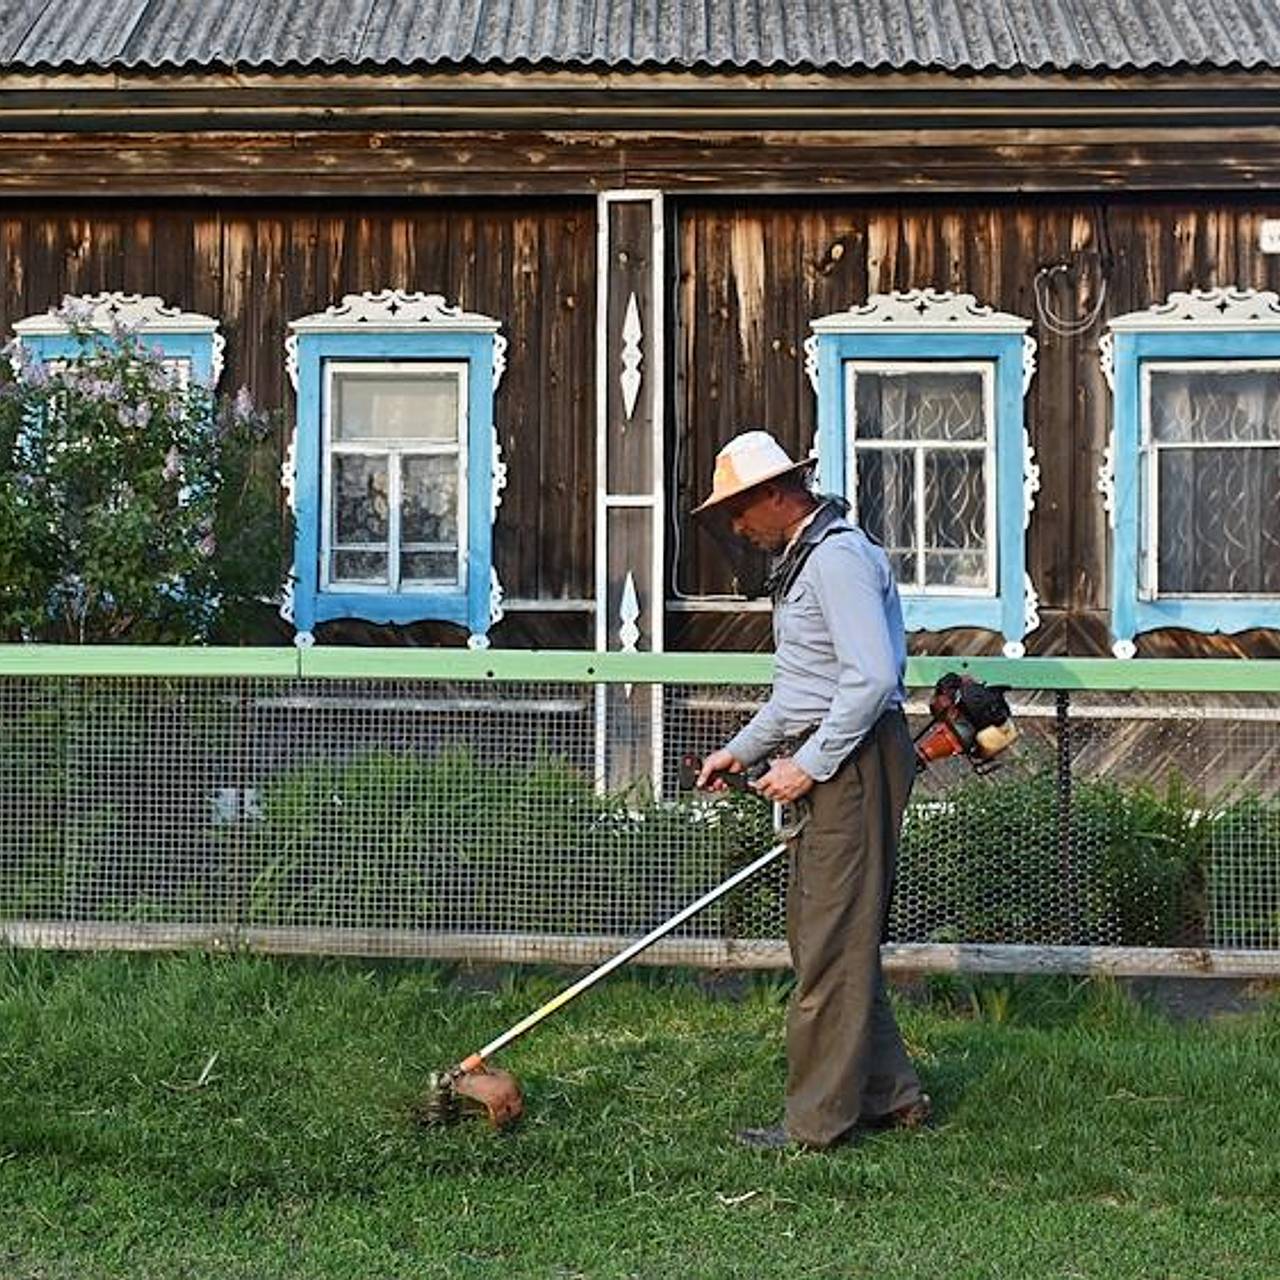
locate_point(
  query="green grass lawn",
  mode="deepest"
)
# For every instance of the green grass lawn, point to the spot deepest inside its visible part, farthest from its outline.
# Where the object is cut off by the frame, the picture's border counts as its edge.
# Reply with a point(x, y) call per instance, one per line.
point(194, 1116)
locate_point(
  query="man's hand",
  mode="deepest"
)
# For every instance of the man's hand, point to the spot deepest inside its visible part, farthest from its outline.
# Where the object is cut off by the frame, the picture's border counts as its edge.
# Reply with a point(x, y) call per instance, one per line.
point(785, 781)
point(721, 761)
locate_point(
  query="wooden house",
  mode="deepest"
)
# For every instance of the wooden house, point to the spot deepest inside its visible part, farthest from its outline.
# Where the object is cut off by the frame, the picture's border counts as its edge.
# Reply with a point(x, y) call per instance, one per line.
point(516, 269)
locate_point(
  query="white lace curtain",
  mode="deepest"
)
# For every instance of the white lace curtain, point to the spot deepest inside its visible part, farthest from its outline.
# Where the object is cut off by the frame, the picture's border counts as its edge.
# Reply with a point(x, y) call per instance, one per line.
point(1214, 456)
point(920, 455)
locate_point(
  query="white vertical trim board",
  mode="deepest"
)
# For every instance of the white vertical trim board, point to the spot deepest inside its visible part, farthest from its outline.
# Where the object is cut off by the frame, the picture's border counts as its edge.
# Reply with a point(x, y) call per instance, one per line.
point(646, 359)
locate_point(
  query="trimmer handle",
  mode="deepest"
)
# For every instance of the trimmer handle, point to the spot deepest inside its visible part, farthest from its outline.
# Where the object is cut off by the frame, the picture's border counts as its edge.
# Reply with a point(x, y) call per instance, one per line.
point(691, 767)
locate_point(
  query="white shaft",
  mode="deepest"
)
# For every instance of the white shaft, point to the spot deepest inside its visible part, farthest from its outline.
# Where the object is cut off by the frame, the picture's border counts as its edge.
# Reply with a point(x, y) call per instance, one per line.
point(744, 873)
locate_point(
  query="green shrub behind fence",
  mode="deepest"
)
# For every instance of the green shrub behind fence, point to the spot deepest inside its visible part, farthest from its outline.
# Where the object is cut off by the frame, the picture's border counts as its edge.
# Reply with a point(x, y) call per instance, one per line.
point(418, 810)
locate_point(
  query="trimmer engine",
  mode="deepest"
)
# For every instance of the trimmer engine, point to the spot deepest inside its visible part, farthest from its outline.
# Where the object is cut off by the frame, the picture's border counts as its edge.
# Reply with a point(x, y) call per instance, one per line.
point(967, 718)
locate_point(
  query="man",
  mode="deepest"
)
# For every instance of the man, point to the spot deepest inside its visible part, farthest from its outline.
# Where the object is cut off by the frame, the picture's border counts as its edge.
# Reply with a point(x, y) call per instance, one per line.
point(840, 749)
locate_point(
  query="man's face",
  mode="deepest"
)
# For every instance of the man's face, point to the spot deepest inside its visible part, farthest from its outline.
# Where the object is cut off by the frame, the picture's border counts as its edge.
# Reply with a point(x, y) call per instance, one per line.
point(760, 517)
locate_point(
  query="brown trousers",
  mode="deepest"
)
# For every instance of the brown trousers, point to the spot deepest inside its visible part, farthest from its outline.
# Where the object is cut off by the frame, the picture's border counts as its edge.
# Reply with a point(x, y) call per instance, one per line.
point(845, 1056)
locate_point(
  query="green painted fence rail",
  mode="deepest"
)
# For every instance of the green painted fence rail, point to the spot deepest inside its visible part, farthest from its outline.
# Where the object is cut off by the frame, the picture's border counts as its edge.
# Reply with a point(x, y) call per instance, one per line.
point(1186, 675)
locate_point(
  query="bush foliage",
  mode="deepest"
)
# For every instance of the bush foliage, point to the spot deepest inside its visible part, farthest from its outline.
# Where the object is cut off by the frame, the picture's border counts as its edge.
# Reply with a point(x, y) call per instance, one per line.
point(1009, 861)
point(448, 840)
point(392, 839)
point(134, 506)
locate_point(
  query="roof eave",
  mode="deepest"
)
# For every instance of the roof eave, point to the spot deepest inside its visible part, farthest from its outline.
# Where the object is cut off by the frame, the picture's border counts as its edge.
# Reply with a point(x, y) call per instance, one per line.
point(476, 98)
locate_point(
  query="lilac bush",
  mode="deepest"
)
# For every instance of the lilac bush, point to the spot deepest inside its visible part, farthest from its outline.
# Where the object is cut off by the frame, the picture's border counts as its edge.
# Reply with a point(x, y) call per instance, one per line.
point(134, 506)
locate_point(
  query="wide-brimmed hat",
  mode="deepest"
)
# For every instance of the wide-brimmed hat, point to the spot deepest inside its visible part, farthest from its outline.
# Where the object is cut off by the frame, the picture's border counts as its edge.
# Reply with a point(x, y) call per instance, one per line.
point(749, 459)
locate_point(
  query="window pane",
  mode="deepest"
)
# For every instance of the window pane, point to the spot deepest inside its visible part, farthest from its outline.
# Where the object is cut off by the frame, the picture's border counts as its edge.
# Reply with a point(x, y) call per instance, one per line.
point(359, 566)
point(429, 499)
point(1219, 521)
point(955, 519)
point(886, 505)
point(1215, 406)
point(433, 566)
point(919, 405)
point(360, 503)
point(396, 406)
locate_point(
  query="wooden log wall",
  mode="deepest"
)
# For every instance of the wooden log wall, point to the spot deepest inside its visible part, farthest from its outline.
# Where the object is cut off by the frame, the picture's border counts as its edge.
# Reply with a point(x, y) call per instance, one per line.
point(255, 266)
point(753, 273)
point(746, 276)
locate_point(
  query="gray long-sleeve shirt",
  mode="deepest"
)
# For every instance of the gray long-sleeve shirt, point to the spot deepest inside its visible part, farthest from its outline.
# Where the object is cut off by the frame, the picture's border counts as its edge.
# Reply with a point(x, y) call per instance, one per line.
point(840, 652)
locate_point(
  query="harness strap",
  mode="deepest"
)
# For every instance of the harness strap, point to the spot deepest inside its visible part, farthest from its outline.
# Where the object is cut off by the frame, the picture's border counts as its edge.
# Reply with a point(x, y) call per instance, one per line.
point(789, 569)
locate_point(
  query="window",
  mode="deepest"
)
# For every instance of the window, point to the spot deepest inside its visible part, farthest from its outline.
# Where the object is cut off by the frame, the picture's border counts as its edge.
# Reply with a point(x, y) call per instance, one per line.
point(921, 450)
point(189, 343)
point(1191, 478)
point(920, 426)
point(394, 473)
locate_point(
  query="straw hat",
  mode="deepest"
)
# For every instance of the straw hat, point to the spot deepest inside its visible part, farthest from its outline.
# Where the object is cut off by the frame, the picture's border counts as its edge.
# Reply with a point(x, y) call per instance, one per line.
point(747, 460)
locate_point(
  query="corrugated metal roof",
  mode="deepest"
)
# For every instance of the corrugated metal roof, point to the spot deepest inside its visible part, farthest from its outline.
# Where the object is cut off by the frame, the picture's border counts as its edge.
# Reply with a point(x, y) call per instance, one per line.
point(951, 35)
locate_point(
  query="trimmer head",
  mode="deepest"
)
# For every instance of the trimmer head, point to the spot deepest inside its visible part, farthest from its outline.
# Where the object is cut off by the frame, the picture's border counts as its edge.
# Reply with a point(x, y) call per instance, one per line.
point(483, 1091)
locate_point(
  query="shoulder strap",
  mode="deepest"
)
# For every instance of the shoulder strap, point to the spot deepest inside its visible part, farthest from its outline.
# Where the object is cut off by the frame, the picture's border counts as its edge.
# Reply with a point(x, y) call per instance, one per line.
point(789, 569)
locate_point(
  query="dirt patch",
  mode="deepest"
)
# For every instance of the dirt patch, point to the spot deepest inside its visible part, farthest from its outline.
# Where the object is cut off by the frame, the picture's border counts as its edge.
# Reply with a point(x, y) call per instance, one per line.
point(1198, 999)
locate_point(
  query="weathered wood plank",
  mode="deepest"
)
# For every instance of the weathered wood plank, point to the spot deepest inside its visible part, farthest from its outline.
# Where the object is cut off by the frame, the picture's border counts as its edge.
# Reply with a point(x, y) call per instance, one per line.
point(536, 948)
point(749, 277)
point(449, 163)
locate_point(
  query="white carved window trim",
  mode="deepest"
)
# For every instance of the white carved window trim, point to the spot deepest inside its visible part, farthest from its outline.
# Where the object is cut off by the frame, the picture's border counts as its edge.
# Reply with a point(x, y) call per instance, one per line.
point(391, 311)
point(927, 313)
point(400, 314)
point(147, 315)
point(1222, 315)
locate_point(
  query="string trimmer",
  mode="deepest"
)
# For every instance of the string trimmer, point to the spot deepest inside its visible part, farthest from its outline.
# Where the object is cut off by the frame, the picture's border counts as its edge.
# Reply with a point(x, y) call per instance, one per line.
point(967, 718)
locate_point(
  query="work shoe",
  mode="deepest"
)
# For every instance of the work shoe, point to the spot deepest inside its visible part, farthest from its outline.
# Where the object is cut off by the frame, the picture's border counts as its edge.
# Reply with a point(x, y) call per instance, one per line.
point(774, 1138)
point(912, 1115)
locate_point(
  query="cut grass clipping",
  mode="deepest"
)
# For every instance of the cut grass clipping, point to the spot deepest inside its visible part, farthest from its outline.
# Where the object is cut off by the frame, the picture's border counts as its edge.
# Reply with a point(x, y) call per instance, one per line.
point(240, 1117)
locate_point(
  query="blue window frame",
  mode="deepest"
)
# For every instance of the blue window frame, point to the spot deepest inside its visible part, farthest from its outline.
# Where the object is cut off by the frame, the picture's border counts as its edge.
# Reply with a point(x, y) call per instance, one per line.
point(921, 427)
point(1192, 473)
point(394, 473)
point(188, 340)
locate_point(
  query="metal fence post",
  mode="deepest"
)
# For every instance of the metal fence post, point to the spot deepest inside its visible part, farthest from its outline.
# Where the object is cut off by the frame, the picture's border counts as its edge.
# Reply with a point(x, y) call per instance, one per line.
point(1066, 861)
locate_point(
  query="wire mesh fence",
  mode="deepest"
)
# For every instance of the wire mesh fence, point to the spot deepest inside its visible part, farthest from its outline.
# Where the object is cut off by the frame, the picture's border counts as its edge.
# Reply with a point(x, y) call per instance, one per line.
point(525, 819)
